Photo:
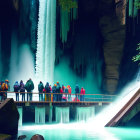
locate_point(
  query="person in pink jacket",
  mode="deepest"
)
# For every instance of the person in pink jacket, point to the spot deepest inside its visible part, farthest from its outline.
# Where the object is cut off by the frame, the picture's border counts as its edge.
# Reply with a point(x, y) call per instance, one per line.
point(69, 91)
point(82, 94)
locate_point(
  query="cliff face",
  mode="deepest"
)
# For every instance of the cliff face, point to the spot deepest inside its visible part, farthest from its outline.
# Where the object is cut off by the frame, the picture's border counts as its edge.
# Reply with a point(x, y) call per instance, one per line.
point(113, 32)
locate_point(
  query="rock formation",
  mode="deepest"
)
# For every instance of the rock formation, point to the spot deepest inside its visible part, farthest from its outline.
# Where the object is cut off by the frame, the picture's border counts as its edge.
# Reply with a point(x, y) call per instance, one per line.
point(114, 36)
point(9, 117)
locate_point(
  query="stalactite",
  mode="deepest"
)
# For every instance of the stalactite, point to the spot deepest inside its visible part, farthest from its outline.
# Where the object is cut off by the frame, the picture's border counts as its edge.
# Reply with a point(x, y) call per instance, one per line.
point(135, 9)
point(64, 25)
point(66, 16)
point(130, 8)
point(75, 12)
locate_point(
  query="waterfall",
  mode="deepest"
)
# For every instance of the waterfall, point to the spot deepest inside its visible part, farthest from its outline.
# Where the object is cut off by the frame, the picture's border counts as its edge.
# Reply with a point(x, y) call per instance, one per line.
point(40, 115)
point(62, 114)
point(20, 116)
point(45, 55)
point(14, 57)
point(133, 11)
point(85, 113)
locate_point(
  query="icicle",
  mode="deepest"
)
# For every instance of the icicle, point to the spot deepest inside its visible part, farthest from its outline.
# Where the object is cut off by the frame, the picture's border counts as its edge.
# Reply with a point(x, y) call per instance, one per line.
point(62, 114)
point(75, 12)
point(40, 115)
point(135, 9)
point(85, 113)
point(65, 18)
point(130, 8)
point(64, 24)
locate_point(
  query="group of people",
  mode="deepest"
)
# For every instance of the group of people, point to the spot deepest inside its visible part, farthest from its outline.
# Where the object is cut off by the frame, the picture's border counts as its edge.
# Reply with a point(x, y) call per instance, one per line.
point(19, 88)
point(4, 87)
point(60, 93)
point(57, 91)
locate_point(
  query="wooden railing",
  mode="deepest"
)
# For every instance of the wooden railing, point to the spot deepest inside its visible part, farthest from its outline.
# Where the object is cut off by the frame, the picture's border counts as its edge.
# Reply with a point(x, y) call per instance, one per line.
point(87, 97)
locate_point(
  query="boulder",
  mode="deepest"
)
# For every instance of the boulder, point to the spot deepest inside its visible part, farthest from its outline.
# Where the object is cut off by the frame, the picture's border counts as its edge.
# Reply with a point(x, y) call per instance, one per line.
point(9, 117)
point(37, 137)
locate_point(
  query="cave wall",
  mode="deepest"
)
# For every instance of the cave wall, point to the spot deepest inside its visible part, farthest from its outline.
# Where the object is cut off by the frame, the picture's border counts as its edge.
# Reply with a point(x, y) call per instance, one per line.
point(113, 32)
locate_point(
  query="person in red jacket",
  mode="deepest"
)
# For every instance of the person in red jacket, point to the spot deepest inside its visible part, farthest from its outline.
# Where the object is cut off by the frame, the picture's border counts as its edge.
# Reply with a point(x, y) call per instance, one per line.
point(69, 91)
point(82, 94)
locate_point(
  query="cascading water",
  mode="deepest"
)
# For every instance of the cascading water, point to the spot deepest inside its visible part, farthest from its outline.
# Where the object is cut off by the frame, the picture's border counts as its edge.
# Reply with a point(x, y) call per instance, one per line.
point(40, 115)
point(62, 114)
point(14, 56)
point(20, 116)
point(45, 56)
point(109, 112)
point(85, 113)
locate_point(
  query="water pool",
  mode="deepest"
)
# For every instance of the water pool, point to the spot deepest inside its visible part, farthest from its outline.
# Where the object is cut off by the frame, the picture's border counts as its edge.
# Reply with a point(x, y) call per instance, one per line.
point(79, 131)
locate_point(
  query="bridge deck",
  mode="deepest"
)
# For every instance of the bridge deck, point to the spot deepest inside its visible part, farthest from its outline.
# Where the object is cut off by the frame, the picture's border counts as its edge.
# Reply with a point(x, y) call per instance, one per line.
point(90, 99)
point(56, 103)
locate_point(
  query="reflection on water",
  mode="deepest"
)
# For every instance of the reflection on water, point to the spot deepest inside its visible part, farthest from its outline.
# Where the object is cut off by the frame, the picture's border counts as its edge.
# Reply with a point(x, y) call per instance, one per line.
point(79, 131)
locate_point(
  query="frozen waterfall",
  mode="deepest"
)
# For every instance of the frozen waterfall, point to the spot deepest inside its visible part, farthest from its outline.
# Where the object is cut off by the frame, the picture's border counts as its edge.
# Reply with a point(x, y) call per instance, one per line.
point(62, 114)
point(45, 56)
point(40, 115)
point(85, 113)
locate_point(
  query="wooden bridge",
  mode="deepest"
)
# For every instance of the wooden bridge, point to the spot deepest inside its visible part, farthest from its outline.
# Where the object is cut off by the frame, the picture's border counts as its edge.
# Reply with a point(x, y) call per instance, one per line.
point(90, 99)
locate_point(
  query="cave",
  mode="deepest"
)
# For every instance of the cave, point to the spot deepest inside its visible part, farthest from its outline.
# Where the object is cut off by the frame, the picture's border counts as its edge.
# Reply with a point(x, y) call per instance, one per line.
point(94, 43)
